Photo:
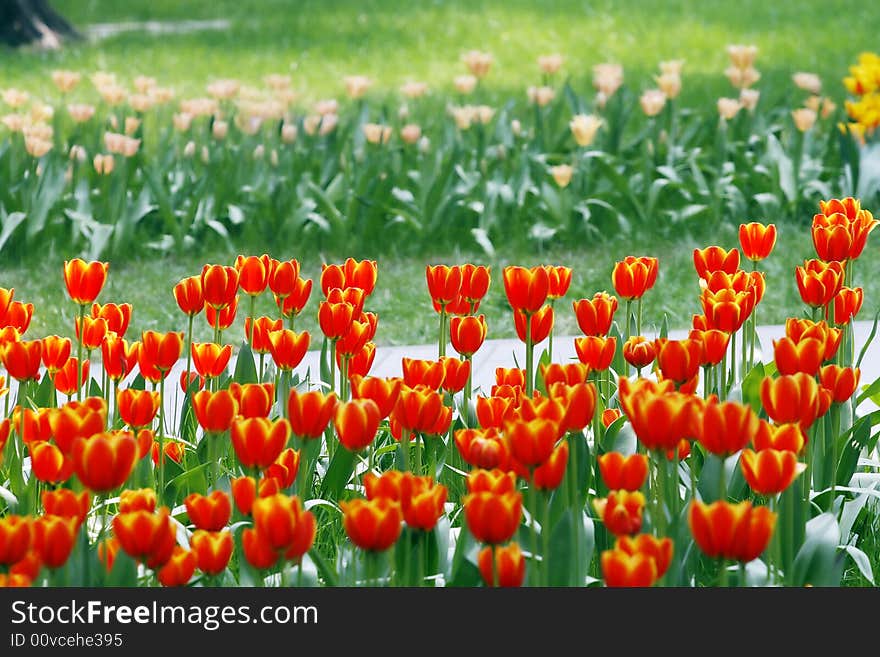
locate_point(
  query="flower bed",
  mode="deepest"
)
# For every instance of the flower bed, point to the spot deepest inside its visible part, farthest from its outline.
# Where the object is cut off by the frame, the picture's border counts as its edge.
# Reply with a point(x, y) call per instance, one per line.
point(675, 462)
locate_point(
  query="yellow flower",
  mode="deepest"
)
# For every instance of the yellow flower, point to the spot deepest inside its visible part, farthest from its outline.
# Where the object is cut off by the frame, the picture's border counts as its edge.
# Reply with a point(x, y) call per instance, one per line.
point(584, 128)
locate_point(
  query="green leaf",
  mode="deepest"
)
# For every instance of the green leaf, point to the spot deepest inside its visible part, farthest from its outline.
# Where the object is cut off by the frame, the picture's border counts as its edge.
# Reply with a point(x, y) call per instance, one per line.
point(245, 368)
point(44, 396)
point(324, 570)
point(751, 387)
point(11, 221)
point(464, 561)
point(869, 340)
point(571, 548)
point(863, 563)
point(338, 473)
point(817, 562)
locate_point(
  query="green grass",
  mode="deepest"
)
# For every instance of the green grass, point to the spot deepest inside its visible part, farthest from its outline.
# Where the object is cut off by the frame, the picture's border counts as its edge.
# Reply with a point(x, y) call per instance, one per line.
point(401, 298)
point(319, 42)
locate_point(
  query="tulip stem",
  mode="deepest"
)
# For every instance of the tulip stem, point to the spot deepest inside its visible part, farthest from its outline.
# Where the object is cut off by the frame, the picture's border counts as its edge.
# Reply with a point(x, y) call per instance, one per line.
point(530, 356)
point(79, 351)
point(545, 535)
point(404, 448)
point(494, 582)
point(418, 463)
point(639, 316)
point(533, 511)
point(161, 491)
point(835, 432)
point(343, 378)
point(252, 322)
point(441, 342)
point(550, 337)
point(262, 367)
point(722, 576)
point(468, 391)
point(732, 361)
point(333, 365)
point(189, 337)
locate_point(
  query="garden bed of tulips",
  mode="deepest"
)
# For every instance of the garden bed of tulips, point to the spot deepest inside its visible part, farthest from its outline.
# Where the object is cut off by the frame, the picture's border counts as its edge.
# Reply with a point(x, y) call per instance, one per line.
point(685, 462)
point(106, 167)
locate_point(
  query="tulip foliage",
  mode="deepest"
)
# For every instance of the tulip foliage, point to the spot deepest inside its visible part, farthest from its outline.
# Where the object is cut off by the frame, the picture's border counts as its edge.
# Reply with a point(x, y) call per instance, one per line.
point(706, 460)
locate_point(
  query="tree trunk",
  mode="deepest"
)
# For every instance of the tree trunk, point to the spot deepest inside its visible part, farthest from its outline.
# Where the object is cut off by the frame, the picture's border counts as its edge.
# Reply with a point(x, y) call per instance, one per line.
point(33, 22)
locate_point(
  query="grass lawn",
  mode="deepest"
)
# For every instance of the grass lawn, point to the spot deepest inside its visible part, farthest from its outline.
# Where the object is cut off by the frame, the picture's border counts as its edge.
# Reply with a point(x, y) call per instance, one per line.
point(319, 42)
point(401, 297)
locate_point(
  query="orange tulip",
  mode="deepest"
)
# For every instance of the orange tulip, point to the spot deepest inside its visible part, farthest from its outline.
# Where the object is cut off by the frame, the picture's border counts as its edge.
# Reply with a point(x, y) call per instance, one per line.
point(310, 412)
point(104, 461)
point(294, 303)
point(75, 420)
point(223, 318)
point(492, 412)
point(212, 549)
point(362, 361)
point(610, 416)
point(55, 353)
point(288, 348)
point(725, 428)
point(818, 282)
point(757, 240)
point(831, 236)
point(143, 499)
point(244, 493)
point(770, 471)
point(351, 274)
point(67, 504)
point(579, 401)
point(28, 568)
point(83, 280)
point(22, 359)
point(493, 518)
point(714, 258)
point(482, 448)
point(160, 351)
point(540, 324)
point(219, 286)
point(253, 273)
point(738, 281)
point(257, 331)
point(214, 410)
point(847, 304)
point(54, 538)
point(18, 316)
point(475, 280)
point(731, 531)
point(621, 472)
point(146, 536)
point(107, 551)
point(526, 289)
point(594, 316)
point(467, 334)
point(117, 316)
point(6, 296)
point(559, 281)
point(791, 398)
point(630, 570)
point(804, 356)
point(424, 506)
point(783, 437)
point(596, 352)
point(456, 373)
point(189, 296)
point(283, 277)
point(444, 284)
point(495, 481)
point(549, 475)
point(621, 511)
point(418, 409)
point(383, 392)
point(117, 357)
point(508, 569)
point(532, 442)
point(92, 331)
point(335, 318)
point(714, 343)
point(48, 463)
point(658, 549)
point(65, 380)
point(679, 360)
point(510, 376)
point(258, 552)
point(210, 359)
point(137, 408)
point(357, 422)
point(842, 382)
point(569, 374)
point(727, 310)
point(353, 340)
point(209, 512)
point(16, 535)
point(418, 372)
point(373, 525)
point(633, 276)
point(179, 568)
point(284, 468)
point(392, 484)
point(258, 442)
point(173, 450)
point(639, 352)
point(253, 399)
point(660, 419)
point(14, 580)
